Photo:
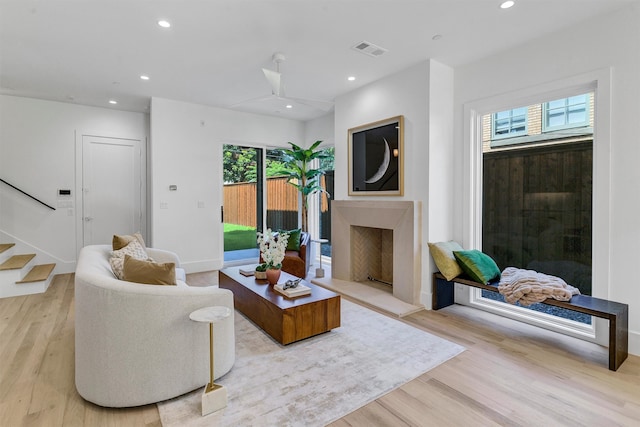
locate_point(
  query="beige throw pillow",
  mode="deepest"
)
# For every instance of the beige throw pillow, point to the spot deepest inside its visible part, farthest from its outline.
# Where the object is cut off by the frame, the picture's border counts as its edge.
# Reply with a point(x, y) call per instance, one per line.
point(149, 272)
point(134, 249)
point(120, 242)
point(442, 253)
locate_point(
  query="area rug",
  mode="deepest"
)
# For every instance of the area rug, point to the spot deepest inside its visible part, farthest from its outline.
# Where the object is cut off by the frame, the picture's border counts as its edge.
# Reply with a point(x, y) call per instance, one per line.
point(318, 380)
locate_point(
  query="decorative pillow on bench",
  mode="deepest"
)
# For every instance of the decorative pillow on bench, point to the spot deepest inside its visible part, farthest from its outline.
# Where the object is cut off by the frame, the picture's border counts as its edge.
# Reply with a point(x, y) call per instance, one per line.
point(479, 266)
point(442, 253)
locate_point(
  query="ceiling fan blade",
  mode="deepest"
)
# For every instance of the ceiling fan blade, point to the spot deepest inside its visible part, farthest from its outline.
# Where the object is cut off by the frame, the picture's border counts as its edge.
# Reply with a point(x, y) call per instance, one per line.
point(274, 79)
point(253, 100)
point(320, 105)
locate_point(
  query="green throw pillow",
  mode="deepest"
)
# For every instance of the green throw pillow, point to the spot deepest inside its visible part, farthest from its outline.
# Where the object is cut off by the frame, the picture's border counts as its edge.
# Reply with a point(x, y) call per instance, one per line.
point(293, 244)
point(479, 266)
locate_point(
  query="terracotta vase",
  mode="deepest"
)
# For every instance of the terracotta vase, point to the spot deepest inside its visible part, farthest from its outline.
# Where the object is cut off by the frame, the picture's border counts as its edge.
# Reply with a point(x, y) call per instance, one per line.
point(273, 275)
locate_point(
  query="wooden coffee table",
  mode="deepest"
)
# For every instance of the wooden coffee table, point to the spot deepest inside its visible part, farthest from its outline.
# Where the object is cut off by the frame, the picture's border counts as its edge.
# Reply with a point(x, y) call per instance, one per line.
point(286, 319)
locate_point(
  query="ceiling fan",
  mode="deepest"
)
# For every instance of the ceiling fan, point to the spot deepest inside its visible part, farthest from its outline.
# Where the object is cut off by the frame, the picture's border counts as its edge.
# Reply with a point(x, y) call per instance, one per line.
point(274, 77)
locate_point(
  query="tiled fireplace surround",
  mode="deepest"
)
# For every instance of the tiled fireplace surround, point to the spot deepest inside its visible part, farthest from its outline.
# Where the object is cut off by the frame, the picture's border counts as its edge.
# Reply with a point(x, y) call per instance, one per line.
point(379, 239)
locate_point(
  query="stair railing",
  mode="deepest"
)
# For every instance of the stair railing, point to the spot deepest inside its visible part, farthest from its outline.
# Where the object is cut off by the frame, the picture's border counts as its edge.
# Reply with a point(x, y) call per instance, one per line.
point(27, 194)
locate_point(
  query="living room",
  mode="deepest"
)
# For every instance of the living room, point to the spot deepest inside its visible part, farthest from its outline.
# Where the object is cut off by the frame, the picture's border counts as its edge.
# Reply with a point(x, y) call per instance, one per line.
point(183, 140)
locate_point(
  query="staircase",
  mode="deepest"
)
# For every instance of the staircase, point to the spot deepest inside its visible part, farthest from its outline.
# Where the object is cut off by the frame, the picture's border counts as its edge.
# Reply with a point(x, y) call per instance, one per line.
point(19, 275)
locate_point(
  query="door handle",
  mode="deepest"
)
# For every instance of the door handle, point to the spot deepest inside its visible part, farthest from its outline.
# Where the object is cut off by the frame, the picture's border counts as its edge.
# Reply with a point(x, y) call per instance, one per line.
point(88, 218)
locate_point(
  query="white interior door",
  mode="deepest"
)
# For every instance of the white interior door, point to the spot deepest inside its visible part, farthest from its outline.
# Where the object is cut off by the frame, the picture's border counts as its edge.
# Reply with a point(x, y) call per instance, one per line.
point(111, 187)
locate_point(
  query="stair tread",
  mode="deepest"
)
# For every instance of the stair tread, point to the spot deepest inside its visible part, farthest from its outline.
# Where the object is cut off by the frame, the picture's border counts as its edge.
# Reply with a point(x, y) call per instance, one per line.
point(17, 262)
point(6, 246)
point(38, 273)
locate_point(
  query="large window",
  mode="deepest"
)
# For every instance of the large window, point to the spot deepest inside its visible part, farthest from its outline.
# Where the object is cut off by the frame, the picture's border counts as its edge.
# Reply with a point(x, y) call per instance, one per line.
point(537, 201)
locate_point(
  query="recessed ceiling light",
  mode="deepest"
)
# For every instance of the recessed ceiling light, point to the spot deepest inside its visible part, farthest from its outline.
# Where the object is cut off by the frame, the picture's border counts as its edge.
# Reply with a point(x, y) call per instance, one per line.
point(507, 4)
point(289, 106)
point(351, 78)
point(143, 77)
point(113, 101)
point(164, 24)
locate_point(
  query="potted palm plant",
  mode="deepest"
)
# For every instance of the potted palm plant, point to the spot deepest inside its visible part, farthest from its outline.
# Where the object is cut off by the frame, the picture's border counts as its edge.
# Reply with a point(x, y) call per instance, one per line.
point(297, 161)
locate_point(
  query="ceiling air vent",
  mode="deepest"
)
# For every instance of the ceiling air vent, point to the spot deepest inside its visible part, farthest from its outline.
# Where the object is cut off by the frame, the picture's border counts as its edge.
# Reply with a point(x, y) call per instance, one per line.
point(369, 49)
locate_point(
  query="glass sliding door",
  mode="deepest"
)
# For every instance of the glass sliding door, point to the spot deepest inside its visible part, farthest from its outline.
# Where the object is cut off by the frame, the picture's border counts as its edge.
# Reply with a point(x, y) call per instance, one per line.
point(324, 205)
point(282, 198)
point(243, 201)
point(257, 195)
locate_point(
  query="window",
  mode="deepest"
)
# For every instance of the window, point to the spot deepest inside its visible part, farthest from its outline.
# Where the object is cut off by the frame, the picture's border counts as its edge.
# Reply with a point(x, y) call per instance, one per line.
point(537, 198)
point(566, 113)
point(554, 178)
point(510, 123)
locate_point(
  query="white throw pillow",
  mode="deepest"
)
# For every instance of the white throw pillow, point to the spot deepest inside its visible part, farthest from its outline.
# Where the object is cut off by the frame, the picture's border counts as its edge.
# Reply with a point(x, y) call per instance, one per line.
point(134, 249)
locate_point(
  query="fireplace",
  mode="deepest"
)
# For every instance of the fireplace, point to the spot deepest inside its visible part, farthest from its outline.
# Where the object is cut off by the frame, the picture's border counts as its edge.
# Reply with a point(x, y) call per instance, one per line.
point(371, 254)
point(380, 240)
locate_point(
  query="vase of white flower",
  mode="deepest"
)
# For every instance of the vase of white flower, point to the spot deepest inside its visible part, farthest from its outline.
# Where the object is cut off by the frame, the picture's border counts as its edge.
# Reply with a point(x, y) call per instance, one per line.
point(272, 249)
point(273, 274)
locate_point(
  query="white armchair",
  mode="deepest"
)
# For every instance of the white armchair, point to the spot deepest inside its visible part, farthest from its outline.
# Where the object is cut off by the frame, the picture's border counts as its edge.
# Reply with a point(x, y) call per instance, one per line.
point(135, 343)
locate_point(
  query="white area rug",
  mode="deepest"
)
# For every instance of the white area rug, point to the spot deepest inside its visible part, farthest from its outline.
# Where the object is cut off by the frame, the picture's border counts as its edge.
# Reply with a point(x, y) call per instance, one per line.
point(315, 381)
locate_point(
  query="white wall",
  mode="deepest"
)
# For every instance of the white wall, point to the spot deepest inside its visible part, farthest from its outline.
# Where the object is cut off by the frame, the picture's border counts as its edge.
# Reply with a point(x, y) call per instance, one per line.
point(442, 158)
point(423, 95)
point(609, 41)
point(37, 154)
point(320, 129)
point(405, 93)
point(186, 150)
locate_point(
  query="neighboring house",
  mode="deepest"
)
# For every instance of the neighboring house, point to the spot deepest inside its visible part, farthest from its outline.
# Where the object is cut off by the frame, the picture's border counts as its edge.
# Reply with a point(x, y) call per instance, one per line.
point(561, 120)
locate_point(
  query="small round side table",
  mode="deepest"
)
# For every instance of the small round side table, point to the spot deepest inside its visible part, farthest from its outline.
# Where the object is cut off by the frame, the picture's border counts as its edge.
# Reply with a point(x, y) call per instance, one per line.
point(214, 396)
point(320, 271)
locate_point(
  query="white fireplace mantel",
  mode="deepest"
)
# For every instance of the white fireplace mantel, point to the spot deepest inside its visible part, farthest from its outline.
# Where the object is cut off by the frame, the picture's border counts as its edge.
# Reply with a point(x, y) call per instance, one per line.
point(403, 218)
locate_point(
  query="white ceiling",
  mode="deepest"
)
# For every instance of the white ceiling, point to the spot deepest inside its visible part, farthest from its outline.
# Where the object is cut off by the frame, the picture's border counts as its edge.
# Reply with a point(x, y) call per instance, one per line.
point(91, 51)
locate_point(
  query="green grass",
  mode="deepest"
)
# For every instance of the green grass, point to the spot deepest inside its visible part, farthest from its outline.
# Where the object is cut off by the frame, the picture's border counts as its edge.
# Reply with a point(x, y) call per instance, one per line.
point(238, 237)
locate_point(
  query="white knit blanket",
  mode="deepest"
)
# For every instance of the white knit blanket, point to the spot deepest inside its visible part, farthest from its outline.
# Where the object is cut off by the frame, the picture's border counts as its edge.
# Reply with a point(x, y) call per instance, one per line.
point(527, 287)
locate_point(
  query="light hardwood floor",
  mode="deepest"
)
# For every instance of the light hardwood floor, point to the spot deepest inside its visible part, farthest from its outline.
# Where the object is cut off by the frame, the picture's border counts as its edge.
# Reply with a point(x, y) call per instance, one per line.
point(511, 374)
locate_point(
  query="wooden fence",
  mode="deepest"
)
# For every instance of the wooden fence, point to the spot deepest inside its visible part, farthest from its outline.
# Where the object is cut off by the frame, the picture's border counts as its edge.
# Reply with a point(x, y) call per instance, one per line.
point(240, 202)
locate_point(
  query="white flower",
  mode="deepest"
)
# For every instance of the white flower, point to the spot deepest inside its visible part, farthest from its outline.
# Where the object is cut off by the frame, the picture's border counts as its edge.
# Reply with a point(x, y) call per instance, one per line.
point(272, 247)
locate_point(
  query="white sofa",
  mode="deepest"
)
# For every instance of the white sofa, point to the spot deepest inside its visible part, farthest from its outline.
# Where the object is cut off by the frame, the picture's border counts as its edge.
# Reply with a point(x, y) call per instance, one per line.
point(135, 343)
